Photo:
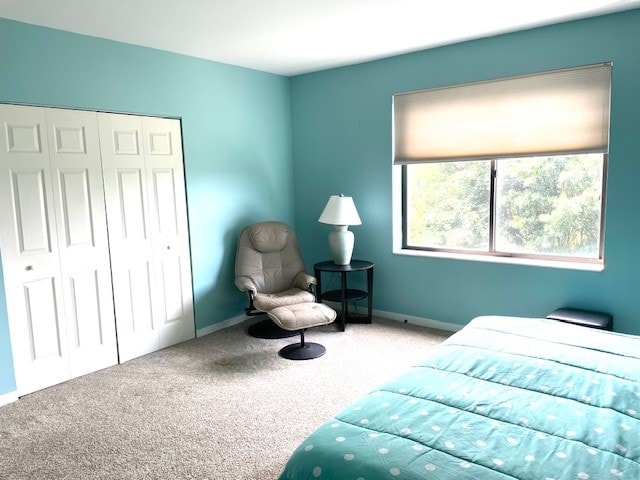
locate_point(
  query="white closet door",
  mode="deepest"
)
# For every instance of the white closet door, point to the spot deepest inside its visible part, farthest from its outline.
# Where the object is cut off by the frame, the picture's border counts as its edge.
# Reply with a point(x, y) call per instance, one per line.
point(132, 266)
point(82, 239)
point(30, 251)
point(147, 215)
point(169, 229)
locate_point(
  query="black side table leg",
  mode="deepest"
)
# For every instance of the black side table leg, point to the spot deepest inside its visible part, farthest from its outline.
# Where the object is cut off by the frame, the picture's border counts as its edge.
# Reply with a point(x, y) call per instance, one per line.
point(318, 275)
point(370, 294)
point(343, 299)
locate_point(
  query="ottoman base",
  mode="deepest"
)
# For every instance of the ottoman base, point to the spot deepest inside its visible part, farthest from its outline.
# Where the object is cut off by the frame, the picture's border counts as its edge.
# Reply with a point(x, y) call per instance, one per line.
point(298, 351)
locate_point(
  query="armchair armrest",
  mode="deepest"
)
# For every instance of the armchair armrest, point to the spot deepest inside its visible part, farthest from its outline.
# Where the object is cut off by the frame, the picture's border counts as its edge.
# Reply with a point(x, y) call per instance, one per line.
point(304, 280)
point(246, 285)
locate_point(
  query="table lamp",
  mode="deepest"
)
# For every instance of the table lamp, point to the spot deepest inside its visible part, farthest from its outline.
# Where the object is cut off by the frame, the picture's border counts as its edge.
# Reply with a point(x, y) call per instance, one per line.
point(340, 212)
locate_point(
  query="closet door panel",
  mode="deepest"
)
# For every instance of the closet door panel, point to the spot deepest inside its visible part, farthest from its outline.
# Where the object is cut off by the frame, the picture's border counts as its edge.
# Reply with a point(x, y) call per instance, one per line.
point(172, 290)
point(29, 201)
point(88, 327)
point(82, 239)
point(30, 252)
point(45, 337)
point(169, 228)
point(131, 193)
point(140, 319)
point(134, 270)
point(166, 245)
point(74, 195)
point(132, 265)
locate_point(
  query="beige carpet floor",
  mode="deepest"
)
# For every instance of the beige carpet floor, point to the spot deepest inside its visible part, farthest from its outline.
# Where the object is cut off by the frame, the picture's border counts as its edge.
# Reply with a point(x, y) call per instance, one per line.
point(224, 406)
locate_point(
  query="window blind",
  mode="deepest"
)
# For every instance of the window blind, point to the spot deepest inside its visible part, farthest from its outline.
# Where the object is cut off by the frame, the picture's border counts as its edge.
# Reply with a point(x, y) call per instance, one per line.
point(558, 112)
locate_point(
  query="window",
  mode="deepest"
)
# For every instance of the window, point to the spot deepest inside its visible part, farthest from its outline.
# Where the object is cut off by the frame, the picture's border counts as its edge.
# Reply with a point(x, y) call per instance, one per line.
point(549, 206)
point(513, 167)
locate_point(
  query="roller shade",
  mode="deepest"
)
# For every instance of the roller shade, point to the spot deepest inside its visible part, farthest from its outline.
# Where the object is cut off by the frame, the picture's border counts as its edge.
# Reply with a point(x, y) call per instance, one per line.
point(551, 113)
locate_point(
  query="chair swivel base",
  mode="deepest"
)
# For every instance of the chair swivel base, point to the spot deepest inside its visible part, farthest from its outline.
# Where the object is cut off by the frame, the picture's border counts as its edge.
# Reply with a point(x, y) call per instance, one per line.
point(267, 329)
point(302, 351)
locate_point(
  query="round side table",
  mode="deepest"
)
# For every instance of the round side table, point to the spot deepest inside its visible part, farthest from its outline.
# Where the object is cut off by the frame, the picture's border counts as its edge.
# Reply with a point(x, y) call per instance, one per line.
point(345, 294)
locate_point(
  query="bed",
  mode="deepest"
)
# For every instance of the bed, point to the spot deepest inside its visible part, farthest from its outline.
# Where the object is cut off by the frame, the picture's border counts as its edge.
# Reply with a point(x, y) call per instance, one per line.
point(503, 398)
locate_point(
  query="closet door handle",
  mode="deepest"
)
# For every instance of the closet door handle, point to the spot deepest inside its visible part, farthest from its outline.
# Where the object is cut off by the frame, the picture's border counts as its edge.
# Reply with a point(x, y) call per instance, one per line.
point(28, 268)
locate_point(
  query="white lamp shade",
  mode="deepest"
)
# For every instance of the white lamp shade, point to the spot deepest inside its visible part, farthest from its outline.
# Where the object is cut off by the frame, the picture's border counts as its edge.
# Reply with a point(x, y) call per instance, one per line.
point(340, 210)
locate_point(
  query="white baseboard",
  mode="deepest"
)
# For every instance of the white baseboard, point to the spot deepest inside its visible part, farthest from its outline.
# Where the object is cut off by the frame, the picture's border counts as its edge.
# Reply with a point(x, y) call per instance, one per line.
point(8, 398)
point(423, 322)
point(230, 322)
point(399, 317)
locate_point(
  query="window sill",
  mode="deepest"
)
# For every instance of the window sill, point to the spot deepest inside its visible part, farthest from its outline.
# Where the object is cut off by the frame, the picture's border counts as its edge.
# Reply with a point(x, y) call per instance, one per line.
point(534, 262)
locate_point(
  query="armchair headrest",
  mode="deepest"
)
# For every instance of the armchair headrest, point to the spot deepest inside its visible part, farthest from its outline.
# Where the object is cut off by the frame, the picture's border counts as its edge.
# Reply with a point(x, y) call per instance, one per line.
point(268, 259)
point(269, 237)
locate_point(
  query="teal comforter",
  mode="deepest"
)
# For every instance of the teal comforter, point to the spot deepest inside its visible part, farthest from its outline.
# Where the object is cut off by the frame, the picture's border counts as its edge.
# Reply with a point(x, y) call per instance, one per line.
point(504, 398)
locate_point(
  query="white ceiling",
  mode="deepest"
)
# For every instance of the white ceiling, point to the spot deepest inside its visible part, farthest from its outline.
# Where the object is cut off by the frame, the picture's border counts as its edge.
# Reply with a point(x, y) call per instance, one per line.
point(290, 37)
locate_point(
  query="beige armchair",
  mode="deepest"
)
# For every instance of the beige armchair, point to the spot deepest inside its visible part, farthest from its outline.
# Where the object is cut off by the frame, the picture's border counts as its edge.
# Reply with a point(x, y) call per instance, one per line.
point(269, 267)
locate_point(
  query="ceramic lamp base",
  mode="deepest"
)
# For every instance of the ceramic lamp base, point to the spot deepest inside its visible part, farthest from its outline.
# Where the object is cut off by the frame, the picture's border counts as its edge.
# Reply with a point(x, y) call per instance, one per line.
point(341, 243)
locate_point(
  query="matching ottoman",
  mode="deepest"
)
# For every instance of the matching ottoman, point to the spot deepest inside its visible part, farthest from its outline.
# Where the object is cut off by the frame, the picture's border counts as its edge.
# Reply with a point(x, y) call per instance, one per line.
point(300, 317)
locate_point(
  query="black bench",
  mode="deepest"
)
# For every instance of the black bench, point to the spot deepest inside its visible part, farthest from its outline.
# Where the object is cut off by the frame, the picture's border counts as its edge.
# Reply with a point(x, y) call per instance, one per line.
point(585, 318)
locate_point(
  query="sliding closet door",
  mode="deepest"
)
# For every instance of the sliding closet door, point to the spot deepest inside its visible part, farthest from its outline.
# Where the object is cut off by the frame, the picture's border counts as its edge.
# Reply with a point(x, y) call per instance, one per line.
point(146, 210)
point(54, 245)
point(82, 239)
point(30, 251)
point(169, 229)
point(132, 267)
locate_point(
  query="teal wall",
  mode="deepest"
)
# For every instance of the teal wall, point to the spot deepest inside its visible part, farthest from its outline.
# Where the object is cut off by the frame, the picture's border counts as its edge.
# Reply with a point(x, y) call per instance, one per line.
point(342, 144)
point(7, 382)
point(236, 131)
